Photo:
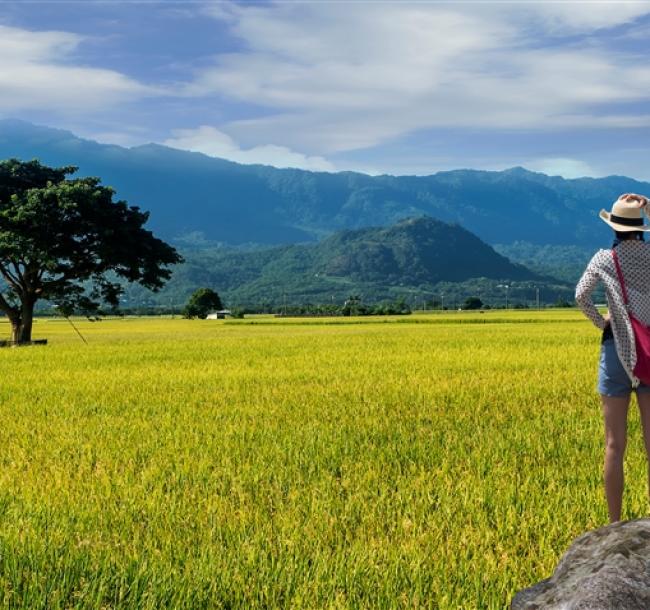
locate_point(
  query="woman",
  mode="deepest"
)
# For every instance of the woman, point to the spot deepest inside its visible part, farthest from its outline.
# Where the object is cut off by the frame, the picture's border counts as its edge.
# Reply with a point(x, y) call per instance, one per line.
point(616, 380)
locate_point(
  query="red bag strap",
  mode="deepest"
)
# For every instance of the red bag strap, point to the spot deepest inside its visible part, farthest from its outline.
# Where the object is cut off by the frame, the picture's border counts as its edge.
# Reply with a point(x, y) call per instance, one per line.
point(620, 275)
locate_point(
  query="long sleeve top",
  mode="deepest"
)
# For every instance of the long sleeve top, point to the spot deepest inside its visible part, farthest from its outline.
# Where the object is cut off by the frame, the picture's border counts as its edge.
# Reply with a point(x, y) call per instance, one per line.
point(634, 258)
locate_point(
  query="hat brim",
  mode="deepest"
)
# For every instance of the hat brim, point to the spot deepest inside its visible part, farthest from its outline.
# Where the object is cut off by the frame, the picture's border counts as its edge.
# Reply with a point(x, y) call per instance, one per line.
point(604, 215)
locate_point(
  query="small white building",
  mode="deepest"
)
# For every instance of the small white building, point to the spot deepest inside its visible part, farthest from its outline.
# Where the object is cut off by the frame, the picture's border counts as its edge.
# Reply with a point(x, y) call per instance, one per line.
point(219, 315)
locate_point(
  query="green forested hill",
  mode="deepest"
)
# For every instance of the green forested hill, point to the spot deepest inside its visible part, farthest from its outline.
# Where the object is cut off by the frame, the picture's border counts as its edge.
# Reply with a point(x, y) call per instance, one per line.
point(563, 262)
point(418, 259)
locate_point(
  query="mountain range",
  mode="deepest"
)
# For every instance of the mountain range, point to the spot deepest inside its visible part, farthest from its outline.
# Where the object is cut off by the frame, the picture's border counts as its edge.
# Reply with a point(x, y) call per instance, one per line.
point(245, 229)
point(195, 199)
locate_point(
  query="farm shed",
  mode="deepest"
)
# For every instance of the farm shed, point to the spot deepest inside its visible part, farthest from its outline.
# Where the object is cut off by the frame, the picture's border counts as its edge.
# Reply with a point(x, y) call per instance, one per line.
point(219, 315)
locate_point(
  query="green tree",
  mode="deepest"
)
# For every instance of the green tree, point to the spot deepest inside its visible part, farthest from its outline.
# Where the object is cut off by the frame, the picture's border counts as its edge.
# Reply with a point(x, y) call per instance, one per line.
point(201, 303)
point(473, 303)
point(353, 306)
point(67, 241)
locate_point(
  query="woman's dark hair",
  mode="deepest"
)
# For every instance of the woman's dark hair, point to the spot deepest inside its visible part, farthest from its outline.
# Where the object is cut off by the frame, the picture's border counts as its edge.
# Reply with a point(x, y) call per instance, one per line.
point(623, 235)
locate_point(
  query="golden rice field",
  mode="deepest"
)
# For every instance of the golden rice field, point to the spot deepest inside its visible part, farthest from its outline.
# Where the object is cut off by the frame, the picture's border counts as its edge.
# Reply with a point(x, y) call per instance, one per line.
point(433, 461)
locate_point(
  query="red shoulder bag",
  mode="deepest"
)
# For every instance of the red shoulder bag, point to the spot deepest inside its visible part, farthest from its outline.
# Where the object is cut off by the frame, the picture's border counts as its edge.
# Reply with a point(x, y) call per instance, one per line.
point(641, 332)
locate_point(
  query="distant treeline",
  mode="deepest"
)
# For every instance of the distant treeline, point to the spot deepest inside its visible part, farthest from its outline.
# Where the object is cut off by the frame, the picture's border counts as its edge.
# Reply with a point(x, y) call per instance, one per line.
point(354, 308)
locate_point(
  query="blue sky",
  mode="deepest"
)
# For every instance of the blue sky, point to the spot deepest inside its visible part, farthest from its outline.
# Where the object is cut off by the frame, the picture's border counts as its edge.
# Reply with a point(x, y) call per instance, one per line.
point(382, 87)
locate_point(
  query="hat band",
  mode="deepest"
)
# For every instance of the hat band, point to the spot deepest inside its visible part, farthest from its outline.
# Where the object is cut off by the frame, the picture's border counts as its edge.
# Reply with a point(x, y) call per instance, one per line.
point(630, 222)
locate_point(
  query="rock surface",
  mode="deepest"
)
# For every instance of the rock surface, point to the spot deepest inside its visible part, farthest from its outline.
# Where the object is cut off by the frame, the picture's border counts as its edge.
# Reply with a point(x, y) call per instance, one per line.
point(604, 569)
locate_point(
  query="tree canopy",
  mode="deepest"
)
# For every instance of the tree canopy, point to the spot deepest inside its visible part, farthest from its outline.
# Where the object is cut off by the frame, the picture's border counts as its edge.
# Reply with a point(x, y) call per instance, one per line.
point(473, 303)
point(67, 241)
point(201, 303)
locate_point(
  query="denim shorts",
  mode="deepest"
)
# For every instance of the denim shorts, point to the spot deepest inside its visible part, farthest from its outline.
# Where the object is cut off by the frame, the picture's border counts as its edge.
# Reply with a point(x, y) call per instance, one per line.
point(612, 378)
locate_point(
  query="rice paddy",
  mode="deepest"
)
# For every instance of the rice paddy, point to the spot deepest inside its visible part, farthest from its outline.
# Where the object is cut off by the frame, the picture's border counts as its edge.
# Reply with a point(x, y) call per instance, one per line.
point(436, 461)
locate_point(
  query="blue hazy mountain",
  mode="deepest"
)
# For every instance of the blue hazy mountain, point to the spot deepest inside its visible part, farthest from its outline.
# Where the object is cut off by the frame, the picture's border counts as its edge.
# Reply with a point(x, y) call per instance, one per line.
point(196, 199)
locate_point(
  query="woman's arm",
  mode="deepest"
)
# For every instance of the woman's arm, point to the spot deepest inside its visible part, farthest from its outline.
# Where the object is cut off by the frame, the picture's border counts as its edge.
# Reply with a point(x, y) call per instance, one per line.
point(585, 287)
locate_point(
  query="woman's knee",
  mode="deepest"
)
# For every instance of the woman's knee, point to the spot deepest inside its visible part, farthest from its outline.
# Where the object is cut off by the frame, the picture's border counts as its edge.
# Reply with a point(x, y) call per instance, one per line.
point(615, 412)
point(615, 448)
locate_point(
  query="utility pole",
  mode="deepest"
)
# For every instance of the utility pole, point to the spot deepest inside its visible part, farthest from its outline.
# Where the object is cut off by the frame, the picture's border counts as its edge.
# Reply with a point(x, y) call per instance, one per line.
point(442, 302)
point(537, 291)
point(506, 286)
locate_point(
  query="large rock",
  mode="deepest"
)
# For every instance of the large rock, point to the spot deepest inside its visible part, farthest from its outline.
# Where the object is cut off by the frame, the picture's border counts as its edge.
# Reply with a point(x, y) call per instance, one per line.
point(605, 569)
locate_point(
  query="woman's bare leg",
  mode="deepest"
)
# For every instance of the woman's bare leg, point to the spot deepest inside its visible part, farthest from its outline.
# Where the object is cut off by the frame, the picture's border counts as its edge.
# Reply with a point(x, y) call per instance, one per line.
point(615, 416)
point(644, 412)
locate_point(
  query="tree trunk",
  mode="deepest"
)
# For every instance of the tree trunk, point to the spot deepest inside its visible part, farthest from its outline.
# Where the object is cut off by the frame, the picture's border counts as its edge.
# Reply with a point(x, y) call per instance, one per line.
point(21, 326)
point(15, 329)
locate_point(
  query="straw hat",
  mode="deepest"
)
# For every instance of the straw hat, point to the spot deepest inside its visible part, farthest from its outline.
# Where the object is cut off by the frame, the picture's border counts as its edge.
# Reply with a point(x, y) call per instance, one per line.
point(626, 214)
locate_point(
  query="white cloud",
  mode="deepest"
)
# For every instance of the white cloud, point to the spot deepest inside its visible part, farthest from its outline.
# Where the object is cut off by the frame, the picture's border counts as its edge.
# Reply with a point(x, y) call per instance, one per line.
point(24, 46)
point(559, 166)
point(34, 74)
point(571, 17)
point(118, 138)
point(211, 141)
point(341, 77)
